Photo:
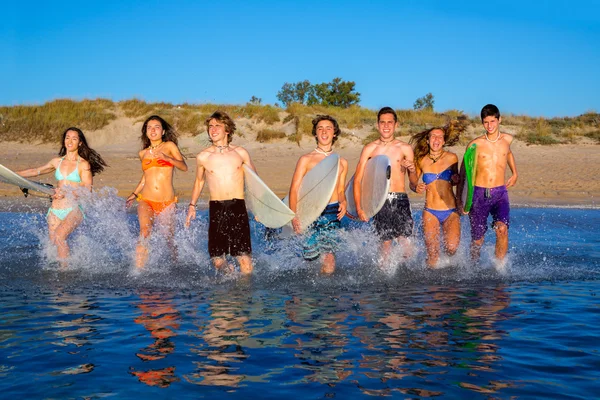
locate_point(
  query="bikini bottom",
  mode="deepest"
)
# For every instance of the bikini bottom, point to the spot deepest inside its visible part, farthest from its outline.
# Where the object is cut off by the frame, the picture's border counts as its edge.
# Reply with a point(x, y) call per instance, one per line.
point(157, 206)
point(441, 215)
point(61, 213)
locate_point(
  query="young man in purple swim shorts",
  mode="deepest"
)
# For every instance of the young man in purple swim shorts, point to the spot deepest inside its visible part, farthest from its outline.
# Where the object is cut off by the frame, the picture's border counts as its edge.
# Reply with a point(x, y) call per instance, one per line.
point(490, 195)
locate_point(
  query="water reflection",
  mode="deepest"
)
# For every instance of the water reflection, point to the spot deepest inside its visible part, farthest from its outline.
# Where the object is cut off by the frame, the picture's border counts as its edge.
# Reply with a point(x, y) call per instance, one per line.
point(161, 318)
point(221, 331)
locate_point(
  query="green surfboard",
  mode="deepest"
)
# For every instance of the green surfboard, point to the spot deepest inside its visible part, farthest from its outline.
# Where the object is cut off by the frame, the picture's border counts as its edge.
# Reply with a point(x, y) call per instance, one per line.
point(470, 160)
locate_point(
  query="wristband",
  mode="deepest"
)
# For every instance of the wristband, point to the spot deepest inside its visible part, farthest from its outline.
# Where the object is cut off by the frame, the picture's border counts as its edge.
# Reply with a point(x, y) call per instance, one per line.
point(192, 205)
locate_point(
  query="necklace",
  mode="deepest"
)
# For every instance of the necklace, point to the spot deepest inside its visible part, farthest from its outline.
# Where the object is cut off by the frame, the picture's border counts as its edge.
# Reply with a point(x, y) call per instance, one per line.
point(435, 159)
point(385, 143)
point(492, 141)
point(68, 159)
point(156, 146)
point(221, 148)
point(324, 152)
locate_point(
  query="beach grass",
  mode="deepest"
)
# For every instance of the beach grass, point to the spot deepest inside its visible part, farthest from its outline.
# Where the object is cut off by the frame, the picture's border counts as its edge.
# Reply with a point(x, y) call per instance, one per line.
point(269, 135)
point(46, 122)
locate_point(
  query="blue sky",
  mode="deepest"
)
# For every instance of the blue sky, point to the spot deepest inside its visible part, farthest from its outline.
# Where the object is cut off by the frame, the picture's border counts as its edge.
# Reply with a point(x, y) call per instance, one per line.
point(539, 58)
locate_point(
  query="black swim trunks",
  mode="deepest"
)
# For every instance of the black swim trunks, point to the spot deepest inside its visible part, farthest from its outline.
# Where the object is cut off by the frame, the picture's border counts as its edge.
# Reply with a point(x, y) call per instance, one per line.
point(395, 217)
point(228, 228)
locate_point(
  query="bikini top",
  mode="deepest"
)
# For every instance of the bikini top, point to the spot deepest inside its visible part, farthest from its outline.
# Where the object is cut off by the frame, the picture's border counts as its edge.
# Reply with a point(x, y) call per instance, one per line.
point(154, 162)
point(72, 177)
point(445, 175)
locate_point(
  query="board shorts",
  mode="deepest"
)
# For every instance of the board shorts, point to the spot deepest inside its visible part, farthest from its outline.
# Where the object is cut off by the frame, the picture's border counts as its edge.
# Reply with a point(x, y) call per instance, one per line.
point(228, 228)
point(395, 217)
point(321, 238)
point(488, 201)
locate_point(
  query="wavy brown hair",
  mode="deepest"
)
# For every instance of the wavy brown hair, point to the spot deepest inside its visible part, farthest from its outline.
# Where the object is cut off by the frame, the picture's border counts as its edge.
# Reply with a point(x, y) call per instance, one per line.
point(336, 127)
point(452, 131)
point(84, 151)
point(226, 120)
point(169, 133)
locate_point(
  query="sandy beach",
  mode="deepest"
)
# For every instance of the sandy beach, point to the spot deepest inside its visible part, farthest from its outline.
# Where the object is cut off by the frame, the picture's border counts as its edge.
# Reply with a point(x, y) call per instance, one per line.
point(558, 175)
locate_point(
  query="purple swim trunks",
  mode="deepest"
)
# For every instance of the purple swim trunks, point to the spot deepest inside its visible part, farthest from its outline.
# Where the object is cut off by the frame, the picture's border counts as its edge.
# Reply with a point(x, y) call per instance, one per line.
point(488, 201)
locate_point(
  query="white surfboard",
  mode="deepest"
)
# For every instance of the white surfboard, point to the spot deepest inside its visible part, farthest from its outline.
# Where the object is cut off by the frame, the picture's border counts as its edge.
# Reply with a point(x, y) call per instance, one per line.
point(263, 203)
point(10, 177)
point(316, 189)
point(375, 186)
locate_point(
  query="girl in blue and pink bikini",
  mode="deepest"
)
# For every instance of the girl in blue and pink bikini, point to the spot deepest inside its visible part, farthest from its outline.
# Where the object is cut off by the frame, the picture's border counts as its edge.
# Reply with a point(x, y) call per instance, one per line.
point(74, 168)
point(439, 171)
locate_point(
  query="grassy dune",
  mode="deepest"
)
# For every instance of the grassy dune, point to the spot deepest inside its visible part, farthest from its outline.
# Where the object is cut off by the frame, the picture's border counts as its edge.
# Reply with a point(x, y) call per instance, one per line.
point(46, 122)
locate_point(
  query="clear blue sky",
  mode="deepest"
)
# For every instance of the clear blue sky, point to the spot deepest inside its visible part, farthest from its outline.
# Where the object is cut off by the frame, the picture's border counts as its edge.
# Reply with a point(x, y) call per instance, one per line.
point(541, 60)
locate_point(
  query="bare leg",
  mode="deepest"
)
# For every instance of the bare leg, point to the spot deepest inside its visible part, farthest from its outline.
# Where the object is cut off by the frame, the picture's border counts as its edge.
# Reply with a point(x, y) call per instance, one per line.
point(328, 264)
point(385, 249)
point(476, 249)
point(146, 218)
point(501, 240)
point(245, 264)
point(406, 245)
point(167, 219)
point(431, 235)
point(451, 229)
point(220, 264)
point(59, 232)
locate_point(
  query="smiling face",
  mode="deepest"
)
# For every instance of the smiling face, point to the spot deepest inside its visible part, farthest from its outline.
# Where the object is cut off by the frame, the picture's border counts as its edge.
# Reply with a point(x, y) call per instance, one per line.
point(325, 131)
point(492, 124)
point(154, 130)
point(72, 140)
point(436, 140)
point(217, 132)
point(386, 126)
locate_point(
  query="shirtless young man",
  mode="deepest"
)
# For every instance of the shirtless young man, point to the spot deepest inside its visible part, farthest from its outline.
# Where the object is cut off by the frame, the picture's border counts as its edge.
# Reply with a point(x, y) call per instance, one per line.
point(490, 195)
point(394, 220)
point(220, 165)
point(321, 240)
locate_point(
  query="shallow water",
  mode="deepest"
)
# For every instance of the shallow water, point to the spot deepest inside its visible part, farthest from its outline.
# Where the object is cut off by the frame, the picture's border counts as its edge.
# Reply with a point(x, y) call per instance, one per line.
point(178, 329)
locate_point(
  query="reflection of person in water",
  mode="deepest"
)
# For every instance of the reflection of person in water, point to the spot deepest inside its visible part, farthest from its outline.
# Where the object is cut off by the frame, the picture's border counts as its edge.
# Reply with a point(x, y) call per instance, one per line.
point(320, 342)
point(161, 319)
point(454, 330)
point(223, 334)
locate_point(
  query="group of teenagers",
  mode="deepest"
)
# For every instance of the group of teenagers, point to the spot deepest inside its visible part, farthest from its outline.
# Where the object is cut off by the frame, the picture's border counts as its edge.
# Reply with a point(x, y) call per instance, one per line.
point(430, 168)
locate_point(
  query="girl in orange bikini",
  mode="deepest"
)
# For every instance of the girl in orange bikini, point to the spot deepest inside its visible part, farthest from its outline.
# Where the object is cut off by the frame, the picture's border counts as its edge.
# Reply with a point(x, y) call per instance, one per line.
point(155, 193)
point(76, 165)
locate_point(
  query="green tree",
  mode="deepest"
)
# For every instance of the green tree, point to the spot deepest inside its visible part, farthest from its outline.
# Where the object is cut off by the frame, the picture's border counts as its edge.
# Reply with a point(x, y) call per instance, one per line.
point(336, 93)
point(424, 103)
point(255, 100)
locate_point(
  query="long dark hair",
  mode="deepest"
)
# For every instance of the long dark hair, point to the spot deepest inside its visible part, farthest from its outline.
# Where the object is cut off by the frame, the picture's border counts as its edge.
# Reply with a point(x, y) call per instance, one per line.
point(84, 151)
point(169, 133)
point(452, 132)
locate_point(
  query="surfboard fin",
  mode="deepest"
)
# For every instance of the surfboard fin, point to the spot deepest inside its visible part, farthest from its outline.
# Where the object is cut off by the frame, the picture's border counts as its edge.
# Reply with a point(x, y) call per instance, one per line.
point(25, 191)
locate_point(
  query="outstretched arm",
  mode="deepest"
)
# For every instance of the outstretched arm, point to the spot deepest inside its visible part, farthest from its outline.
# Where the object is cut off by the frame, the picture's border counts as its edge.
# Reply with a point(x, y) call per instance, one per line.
point(33, 172)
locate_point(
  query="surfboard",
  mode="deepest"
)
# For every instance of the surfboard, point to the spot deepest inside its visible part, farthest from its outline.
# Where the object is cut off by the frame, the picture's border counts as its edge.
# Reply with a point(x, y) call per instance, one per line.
point(375, 186)
point(10, 177)
point(470, 159)
point(263, 203)
point(315, 191)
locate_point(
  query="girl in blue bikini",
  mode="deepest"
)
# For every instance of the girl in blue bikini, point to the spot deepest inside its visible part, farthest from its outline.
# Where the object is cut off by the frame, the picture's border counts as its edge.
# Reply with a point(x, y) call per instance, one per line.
point(74, 168)
point(439, 169)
